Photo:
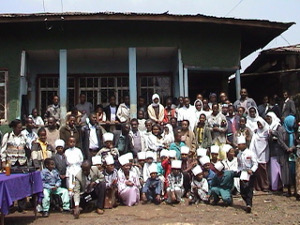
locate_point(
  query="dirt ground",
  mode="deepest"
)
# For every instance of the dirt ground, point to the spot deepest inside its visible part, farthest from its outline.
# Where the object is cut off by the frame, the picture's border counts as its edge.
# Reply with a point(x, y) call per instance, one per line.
point(267, 209)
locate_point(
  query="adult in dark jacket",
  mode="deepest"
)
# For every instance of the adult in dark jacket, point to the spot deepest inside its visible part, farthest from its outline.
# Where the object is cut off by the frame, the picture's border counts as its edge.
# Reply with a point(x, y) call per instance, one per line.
point(122, 140)
point(111, 114)
point(70, 130)
point(91, 137)
point(288, 106)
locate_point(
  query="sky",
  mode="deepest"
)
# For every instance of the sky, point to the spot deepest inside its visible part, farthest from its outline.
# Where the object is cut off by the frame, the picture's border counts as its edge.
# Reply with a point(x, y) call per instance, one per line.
point(273, 10)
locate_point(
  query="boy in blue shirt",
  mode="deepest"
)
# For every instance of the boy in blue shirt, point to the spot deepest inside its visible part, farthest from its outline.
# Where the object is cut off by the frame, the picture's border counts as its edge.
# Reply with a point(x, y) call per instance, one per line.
point(51, 184)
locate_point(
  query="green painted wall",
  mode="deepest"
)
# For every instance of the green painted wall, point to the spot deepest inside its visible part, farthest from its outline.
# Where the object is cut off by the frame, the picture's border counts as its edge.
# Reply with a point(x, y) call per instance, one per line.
point(204, 46)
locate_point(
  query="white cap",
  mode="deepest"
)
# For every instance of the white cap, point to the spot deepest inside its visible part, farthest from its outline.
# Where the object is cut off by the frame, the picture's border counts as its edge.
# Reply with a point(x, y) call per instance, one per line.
point(219, 166)
point(129, 155)
point(196, 170)
point(226, 148)
point(123, 159)
point(201, 152)
point(149, 154)
point(176, 164)
point(141, 155)
point(108, 137)
point(241, 139)
point(172, 153)
point(97, 160)
point(214, 149)
point(153, 168)
point(109, 160)
point(164, 152)
point(59, 143)
point(184, 149)
point(204, 160)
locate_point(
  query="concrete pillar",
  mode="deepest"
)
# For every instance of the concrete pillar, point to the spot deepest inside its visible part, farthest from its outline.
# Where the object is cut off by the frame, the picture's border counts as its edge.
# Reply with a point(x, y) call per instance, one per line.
point(180, 74)
point(23, 83)
point(186, 82)
point(132, 82)
point(63, 83)
point(237, 83)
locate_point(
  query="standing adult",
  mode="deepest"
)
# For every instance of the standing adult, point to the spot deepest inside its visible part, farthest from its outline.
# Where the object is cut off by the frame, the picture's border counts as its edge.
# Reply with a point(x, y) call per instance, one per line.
point(233, 122)
point(37, 120)
point(84, 107)
point(169, 111)
point(70, 130)
point(91, 137)
point(202, 133)
point(187, 112)
point(252, 118)
point(123, 112)
point(264, 107)
point(29, 134)
point(52, 131)
point(244, 100)
point(111, 113)
point(288, 107)
point(156, 110)
point(54, 110)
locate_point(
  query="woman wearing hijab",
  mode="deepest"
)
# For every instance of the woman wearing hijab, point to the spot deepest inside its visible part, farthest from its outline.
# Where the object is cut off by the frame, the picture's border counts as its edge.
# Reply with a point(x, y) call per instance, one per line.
point(168, 135)
point(260, 146)
point(156, 110)
point(252, 118)
point(278, 158)
point(286, 139)
point(199, 109)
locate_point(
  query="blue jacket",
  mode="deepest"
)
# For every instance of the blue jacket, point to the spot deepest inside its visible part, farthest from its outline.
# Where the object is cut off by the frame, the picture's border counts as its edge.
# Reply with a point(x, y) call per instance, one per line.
point(153, 185)
point(50, 179)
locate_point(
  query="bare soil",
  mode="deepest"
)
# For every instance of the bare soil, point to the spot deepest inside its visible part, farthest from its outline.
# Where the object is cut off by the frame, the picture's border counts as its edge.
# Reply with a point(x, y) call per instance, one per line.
point(267, 209)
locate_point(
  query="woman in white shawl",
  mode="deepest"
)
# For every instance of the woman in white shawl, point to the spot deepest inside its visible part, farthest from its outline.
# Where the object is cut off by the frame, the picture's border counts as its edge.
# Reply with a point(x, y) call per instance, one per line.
point(252, 118)
point(168, 135)
point(278, 164)
point(260, 146)
point(199, 109)
point(156, 110)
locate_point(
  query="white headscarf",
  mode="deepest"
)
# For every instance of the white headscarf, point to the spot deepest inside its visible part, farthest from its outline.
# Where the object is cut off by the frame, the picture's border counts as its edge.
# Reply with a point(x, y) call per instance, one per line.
point(252, 122)
point(275, 121)
point(154, 97)
point(168, 138)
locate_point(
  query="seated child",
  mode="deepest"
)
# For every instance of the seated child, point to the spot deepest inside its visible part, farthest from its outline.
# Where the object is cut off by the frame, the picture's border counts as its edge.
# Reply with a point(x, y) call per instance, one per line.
point(153, 187)
point(111, 179)
point(108, 148)
point(60, 160)
point(51, 185)
point(208, 174)
point(149, 162)
point(175, 189)
point(214, 152)
point(199, 187)
point(166, 165)
point(222, 184)
point(41, 149)
point(141, 157)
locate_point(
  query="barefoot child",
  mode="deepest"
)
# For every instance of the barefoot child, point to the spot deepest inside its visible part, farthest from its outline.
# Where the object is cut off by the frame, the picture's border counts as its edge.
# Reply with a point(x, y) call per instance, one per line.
point(175, 189)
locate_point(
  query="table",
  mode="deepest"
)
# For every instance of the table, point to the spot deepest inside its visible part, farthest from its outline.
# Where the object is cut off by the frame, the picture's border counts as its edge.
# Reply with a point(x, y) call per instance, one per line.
point(16, 187)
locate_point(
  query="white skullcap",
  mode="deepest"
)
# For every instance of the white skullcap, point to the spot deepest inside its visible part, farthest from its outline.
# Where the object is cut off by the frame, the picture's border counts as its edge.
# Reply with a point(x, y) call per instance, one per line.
point(109, 160)
point(219, 166)
point(97, 160)
point(59, 143)
point(108, 137)
point(123, 159)
point(241, 139)
point(141, 155)
point(204, 160)
point(172, 153)
point(214, 149)
point(129, 155)
point(176, 164)
point(226, 148)
point(149, 154)
point(201, 152)
point(153, 168)
point(196, 170)
point(184, 149)
point(164, 153)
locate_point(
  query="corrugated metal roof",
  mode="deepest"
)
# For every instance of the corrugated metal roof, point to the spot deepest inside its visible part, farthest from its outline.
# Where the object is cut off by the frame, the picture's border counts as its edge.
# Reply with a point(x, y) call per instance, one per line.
point(4, 18)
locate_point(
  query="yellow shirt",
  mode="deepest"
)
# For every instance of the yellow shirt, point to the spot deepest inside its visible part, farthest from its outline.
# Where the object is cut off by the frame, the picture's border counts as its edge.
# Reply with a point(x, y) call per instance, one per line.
point(44, 149)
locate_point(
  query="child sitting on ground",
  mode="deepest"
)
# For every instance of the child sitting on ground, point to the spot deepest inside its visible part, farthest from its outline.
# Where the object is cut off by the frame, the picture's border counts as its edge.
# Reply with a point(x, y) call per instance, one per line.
point(199, 187)
point(208, 174)
point(108, 148)
point(153, 187)
point(175, 189)
point(149, 162)
point(51, 185)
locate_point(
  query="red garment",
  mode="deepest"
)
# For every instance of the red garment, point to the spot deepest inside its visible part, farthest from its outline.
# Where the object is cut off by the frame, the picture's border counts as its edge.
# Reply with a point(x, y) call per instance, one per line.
point(166, 164)
point(166, 119)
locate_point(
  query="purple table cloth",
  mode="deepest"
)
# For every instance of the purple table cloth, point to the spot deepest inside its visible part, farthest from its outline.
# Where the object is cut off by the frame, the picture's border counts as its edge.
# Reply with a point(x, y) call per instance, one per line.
point(18, 186)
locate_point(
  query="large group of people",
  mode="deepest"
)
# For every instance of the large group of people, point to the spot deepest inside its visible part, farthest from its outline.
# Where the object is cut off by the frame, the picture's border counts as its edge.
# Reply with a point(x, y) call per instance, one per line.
point(206, 151)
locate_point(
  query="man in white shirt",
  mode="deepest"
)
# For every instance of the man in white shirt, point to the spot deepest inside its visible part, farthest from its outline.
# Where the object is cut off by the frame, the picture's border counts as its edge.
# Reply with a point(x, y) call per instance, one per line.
point(187, 112)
